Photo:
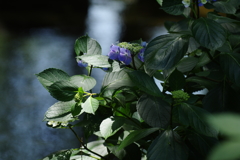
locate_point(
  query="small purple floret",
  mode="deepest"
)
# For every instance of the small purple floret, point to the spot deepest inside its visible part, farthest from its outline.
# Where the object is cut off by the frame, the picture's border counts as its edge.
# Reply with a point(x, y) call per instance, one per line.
point(140, 54)
point(114, 52)
point(125, 56)
point(82, 64)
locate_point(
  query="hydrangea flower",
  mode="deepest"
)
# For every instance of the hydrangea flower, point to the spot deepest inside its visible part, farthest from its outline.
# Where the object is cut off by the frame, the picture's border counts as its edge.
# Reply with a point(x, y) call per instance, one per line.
point(186, 3)
point(82, 64)
point(140, 54)
point(144, 44)
point(125, 56)
point(114, 52)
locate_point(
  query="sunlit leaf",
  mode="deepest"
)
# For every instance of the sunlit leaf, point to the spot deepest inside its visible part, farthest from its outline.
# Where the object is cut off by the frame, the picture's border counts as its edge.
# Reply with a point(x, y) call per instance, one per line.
point(86, 82)
point(51, 75)
point(96, 60)
point(90, 105)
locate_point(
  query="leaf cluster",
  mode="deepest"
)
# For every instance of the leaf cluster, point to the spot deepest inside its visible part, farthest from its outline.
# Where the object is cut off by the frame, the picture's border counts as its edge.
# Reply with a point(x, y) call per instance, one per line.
point(133, 116)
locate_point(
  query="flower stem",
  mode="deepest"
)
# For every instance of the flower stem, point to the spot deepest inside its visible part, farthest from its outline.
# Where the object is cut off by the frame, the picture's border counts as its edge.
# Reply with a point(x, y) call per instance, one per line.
point(83, 145)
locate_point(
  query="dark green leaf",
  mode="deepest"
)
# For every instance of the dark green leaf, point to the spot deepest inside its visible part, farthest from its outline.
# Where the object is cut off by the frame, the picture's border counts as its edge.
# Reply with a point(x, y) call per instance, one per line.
point(221, 98)
point(231, 65)
point(86, 82)
point(187, 64)
point(165, 51)
point(51, 75)
point(202, 144)
point(87, 45)
point(204, 83)
point(167, 146)
point(209, 33)
point(96, 60)
point(90, 105)
point(195, 117)
point(114, 80)
point(135, 136)
point(225, 7)
point(76, 109)
point(63, 90)
point(145, 83)
point(174, 7)
point(154, 111)
point(176, 80)
point(60, 112)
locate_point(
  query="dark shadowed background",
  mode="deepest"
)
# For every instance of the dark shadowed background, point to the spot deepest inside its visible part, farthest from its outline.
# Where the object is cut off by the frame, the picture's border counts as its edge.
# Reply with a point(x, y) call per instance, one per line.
point(38, 35)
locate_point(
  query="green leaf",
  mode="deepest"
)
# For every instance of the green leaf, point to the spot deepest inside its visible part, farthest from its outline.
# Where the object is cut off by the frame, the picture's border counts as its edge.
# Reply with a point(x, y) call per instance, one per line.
point(60, 112)
point(59, 155)
point(225, 7)
point(208, 33)
point(145, 83)
point(226, 151)
point(110, 126)
point(114, 80)
point(63, 90)
point(160, 1)
point(195, 117)
point(227, 123)
point(87, 45)
point(86, 82)
point(202, 144)
point(51, 75)
point(90, 105)
point(187, 64)
point(174, 7)
point(154, 111)
point(165, 51)
point(176, 80)
point(168, 146)
point(231, 65)
point(96, 60)
point(222, 98)
point(204, 83)
point(76, 109)
point(135, 136)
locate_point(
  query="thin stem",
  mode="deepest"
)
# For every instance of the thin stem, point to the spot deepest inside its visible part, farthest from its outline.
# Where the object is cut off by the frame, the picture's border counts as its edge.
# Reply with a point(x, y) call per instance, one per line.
point(83, 145)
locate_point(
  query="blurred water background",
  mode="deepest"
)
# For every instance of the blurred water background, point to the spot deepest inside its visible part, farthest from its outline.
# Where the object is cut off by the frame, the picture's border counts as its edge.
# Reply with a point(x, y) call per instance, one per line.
point(41, 35)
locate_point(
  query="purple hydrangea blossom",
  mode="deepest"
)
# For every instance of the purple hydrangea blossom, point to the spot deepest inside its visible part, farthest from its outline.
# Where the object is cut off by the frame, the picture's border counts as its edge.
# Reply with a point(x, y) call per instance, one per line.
point(125, 56)
point(144, 44)
point(140, 54)
point(82, 64)
point(114, 52)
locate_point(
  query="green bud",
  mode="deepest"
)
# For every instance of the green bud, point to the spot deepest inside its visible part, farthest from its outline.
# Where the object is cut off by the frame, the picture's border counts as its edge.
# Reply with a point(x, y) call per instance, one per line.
point(78, 97)
point(180, 96)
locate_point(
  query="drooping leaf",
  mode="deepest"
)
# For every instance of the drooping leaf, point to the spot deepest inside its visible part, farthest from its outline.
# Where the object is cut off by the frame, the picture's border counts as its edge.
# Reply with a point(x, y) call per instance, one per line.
point(165, 51)
point(231, 65)
point(51, 75)
point(208, 33)
point(87, 45)
point(60, 112)
point(90, 105)
point(176, 80)
point(63, 90)
point(145, 83)
point(154, 111)
point(136, 135)
point(169, 146)
point(110, 126)
point(96, 60)
point(174, 7)
point(86, 82)
point(195, 117)
point(114, 80)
